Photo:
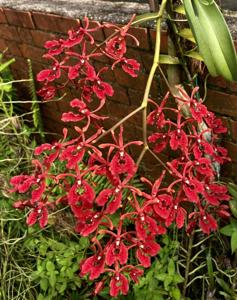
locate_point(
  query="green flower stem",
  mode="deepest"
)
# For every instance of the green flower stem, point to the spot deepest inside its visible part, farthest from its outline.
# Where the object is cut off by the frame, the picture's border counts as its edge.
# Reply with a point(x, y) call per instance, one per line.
point(150, 79)
point(144, 103)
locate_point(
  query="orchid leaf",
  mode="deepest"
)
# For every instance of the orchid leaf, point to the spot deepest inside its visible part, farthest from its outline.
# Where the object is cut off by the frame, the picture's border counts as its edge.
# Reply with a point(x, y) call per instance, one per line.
point(213, 37)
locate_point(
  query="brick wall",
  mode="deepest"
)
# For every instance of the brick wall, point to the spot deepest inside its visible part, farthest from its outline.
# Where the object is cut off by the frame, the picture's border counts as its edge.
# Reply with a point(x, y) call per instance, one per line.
point(24, 34)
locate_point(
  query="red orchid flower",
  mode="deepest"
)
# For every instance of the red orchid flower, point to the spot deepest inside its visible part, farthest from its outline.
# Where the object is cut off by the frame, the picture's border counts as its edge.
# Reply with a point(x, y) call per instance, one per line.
point(130, 66)
point(87, 220)
point(206, 221)
point(39, 213)
point(80, 68)
point(157, 117)
point(134, 273)
point(116, 46)
point(177, 212)
point(49, 75)
point(121, 163)
point(76, 36)
point(160, 201)
point(215, 124)
point(178, 137)
point(190, 185)
point(116, 251)
point(145, 250)
point(97, 85)
point(161, 140)
point(94, 265)
point(55, 47)
point(47, 92)
point(197, 109)
point(84, 113)
point(53, 149)
point(118, 283)
point(74, 154)
point(214, 193)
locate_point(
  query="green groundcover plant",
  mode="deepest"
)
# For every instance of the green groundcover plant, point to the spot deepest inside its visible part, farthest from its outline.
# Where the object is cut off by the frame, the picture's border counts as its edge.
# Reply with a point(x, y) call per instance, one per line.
point(123, 223)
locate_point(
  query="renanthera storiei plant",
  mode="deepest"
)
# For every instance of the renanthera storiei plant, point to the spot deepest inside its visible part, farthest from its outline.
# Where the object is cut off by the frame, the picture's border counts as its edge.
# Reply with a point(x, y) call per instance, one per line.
point(123, 222)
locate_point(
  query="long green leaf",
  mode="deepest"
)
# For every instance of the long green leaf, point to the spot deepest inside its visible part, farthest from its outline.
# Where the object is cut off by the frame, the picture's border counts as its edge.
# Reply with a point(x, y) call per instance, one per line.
point(6, 64)
point(145, 18)
point(213, 37)
point(194, 54)
point(187, 34)
point(168, 59)
point(234, 242)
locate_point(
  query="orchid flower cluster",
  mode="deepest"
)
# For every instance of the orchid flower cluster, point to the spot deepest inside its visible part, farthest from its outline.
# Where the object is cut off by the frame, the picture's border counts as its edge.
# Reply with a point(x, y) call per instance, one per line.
point(121, 221)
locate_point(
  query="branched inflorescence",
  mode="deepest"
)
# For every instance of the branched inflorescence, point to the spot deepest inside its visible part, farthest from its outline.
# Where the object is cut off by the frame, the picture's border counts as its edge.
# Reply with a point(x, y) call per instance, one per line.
point(122, 221)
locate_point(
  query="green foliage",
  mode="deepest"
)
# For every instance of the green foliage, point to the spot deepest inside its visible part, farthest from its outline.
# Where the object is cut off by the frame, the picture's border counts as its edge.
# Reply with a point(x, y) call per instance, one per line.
point(231, 229)
point(162, 280)
point(57, 264)
point(213, 38)
point(16, 263)
point(35, 108)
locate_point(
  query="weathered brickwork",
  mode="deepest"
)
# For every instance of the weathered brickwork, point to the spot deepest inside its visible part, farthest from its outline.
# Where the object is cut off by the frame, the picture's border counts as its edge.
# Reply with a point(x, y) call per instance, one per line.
point(24, 34)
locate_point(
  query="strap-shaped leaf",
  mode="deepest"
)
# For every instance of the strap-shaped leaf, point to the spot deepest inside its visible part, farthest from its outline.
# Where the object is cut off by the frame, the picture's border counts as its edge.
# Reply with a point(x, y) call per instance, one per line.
point(194, 54)
point(213, 37)
point(180, 10)
point(187, 34)
point(145, 18)
point(6, 64)
point(168, 59)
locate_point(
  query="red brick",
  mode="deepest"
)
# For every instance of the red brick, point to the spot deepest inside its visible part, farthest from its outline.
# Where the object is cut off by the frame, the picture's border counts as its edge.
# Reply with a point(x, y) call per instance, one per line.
point(12, 17)
point(222, 103)
point(135, 96)
point(21, 67)
point(158, 88)
point(45, 21)
point(101, 58)
point(25, 35)
point(233, 86)
point(110, 30)
point(141, 34)
point(120, 95)
point(233, 129)
point(9, 32)
point(135, 54)
point(232, 171)
point(40, 37)
point(119, 110)
point(232, 150)
point(147, 60)
point(50, 109)
point(31, 52)
point(3, 18)
point(53, 128)
point(137, 83)
point(3, 45)
point(54, 23)
point(108, 75)
point(64, 24)
point(217, 81)
point(163, 40)
point(13, 48)
point(26, 19)
point(20, 71)
point(37, 67)
point(226, 123)
point(98, 35)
